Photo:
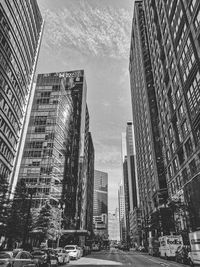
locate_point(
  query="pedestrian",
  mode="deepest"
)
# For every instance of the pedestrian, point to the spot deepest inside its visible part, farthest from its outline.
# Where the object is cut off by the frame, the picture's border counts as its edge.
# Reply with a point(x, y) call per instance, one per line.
point(47, 262)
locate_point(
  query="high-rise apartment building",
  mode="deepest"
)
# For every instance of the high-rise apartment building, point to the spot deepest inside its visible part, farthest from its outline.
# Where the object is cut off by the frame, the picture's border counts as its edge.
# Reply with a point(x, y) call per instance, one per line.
point(152, 184)
point(100, 199)
point(20, 36)
point(173, 34)
point(58, 156)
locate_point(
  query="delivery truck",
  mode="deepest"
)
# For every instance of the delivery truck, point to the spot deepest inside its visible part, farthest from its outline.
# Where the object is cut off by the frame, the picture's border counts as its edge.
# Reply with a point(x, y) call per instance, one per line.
point(194, 254)
point(169, 244)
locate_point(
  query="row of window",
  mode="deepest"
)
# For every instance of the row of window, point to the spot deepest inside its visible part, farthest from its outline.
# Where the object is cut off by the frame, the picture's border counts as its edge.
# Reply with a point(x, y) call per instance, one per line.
point(187, 59)
point(15, 41)
point(5, 151)
point(4, 170)
point(188, 150)
point(8, 113)
point(8, 133)
point(193, 95)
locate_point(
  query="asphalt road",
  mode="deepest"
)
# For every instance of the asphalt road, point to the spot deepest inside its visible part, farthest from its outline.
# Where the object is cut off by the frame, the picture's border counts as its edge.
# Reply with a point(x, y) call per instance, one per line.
point(116, 257)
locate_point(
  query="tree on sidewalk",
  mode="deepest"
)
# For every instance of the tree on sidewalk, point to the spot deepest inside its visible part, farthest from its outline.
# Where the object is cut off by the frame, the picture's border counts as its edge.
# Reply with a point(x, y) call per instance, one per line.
point(47, 223)
point(4, 204)
point(18, 214)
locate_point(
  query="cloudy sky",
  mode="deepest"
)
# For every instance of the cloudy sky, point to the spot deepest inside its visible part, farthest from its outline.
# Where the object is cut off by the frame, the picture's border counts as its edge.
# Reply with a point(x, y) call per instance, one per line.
point(94, 35)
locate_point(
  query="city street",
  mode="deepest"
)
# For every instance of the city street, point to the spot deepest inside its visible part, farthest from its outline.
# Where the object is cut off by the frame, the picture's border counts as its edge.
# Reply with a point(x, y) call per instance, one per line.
point(116, 257)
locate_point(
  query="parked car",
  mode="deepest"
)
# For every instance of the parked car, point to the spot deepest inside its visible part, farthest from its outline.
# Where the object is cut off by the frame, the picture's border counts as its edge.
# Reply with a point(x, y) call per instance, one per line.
point(5, 258)
point(63, 255)
point(74, 252)
point(181, 254)
point(17, 259)
point(39, 256)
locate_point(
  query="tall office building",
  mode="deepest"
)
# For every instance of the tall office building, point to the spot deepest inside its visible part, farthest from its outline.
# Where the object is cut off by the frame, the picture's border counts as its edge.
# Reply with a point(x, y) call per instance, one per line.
point(125, 185)
point(122, 217)
point(100, 200)
point(113, 226)
point(100, 203)
point(131, 161)
point(173, 34)
point(20, 36)
point(152, 182)
point(56, 154)
point(165, 76)
point(90, 183)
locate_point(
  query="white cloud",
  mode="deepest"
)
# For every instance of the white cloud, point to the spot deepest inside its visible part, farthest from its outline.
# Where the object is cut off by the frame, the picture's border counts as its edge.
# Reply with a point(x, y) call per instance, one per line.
point(96, 31)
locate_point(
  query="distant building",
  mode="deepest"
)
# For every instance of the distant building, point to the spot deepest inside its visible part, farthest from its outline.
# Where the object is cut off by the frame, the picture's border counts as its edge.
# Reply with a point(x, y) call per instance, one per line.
point(20, 36)
point(113, 225)
point(100, 203)
point(90, 183)
point(101, 225)
point(122, 223)
point(131, 164)
point(126, 196)
point(100, 199)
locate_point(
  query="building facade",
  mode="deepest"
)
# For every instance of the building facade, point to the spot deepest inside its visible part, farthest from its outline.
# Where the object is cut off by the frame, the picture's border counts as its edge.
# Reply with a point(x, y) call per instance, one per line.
point(58, 154)
point(165, 67)
point(122, 216)
point(131, 162)
point(152, 182)
point(100, 202)
point(90, 183)
point(173, 35)
point(113, 226)
point(20, 35)
point(100, 199)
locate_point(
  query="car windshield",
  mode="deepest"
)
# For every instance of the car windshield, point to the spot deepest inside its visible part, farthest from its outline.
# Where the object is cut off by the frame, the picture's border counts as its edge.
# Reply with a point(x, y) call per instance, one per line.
point(70, 248)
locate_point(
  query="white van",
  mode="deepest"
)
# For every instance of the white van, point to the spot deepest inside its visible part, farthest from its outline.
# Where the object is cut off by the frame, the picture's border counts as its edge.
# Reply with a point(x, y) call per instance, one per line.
point(169, 245)
point(194, 255)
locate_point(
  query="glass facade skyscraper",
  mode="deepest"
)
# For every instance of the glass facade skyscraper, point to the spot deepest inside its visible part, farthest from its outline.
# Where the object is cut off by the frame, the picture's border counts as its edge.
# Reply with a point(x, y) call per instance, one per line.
point(58, 157)
point(20, 35)
point(100, 193)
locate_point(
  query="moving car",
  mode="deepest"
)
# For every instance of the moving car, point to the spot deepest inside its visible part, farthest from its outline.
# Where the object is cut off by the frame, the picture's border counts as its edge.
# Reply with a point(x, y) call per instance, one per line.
point(73, 250)
point(18, 259)
point(63, 255)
